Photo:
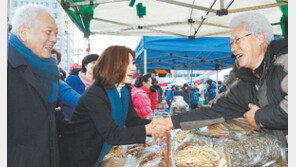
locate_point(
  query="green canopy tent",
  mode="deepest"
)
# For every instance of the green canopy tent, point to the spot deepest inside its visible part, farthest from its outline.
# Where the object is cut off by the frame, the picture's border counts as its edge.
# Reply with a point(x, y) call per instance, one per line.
point(183, 18)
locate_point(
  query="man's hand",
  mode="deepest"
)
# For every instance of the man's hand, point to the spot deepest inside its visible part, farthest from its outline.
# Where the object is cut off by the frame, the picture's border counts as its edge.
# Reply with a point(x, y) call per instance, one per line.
point(250, 115)
point(158, 130)
point(159, 127)
point(167, 122)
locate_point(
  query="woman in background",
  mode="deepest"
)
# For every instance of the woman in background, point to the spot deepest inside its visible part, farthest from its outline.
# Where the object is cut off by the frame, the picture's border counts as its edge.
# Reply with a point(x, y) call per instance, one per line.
point(85, 77)
point(80, 82)
point(144, 96)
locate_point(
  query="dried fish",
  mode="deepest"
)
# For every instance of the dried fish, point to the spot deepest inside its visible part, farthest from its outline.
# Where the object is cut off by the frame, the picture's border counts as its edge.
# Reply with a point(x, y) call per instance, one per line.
point(196, 156)
point(253, 151)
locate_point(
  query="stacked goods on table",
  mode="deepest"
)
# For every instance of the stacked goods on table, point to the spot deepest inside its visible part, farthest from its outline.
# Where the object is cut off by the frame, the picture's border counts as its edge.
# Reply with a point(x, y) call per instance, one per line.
point(226, 152)
point(230, 144)
point(151, 154)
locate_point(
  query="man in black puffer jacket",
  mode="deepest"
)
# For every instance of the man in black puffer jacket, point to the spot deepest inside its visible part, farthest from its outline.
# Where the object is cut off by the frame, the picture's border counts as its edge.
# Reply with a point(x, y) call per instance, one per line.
point(261, 92)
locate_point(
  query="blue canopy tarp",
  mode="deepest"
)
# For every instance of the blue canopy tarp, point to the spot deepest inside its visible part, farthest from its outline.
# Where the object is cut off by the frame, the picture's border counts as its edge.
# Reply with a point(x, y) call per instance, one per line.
point(177, 53)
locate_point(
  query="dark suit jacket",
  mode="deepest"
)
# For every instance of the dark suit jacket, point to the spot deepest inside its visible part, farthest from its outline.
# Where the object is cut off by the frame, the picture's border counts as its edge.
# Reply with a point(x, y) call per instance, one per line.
point(31, 130)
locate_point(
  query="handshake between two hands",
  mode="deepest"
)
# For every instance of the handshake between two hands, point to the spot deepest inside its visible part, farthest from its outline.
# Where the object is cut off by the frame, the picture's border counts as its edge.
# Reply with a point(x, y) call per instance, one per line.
point(159, 127)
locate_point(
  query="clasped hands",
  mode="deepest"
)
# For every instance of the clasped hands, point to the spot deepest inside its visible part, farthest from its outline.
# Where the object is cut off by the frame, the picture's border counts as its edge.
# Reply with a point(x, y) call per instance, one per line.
point(159, 127)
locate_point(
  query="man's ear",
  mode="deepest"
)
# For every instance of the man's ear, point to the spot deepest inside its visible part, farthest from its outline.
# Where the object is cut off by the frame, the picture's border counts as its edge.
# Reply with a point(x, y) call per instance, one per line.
point(262, 38)
point(22, 31)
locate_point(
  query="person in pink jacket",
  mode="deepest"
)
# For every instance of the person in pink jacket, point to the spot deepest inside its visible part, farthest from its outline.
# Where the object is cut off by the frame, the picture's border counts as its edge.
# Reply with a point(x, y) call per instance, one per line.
point(144, 96)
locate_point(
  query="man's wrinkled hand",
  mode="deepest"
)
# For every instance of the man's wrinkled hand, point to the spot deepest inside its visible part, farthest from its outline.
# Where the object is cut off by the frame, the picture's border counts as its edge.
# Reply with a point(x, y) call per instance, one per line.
point(160, 131)
point(250, 115)
point(167, 122)
point(157, 130)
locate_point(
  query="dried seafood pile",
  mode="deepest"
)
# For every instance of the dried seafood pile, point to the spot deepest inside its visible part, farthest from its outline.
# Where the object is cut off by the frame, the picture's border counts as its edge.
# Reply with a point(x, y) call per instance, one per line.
point(230, 144)
point(250, 151)
point(253, 151)
point(198, 156)
point(151, 154)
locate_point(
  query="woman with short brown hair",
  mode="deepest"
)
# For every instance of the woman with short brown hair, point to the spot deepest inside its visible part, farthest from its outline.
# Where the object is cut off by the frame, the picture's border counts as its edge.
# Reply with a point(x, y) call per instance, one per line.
point(111, 68)
point(104, 115)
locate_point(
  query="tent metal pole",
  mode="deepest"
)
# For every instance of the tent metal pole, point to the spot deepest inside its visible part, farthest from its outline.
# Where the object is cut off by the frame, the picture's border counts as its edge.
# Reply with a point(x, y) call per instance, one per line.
point(217, 83)
point(214, 33)
point(203, 19)
point(257, 7)
point(134, 27)
point(145, 61)
point(221, 4)
point(188, 5)
point(94, 2)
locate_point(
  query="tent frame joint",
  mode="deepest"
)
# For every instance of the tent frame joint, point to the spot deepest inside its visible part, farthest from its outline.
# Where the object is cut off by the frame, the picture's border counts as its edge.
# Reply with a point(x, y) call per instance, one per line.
point(191, 37)
point(190, 21)
point(222, 12)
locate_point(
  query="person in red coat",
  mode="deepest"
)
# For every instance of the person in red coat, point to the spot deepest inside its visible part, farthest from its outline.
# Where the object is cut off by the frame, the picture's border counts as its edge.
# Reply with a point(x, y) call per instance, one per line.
point(144, 96)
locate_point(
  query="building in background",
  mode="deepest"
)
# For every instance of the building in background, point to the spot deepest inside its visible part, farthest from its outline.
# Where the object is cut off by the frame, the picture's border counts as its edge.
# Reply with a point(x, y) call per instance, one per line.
point(66, 28)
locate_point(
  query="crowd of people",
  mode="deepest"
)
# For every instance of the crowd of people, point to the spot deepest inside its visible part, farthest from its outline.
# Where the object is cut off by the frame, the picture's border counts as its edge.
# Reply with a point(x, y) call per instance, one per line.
point(54, 120)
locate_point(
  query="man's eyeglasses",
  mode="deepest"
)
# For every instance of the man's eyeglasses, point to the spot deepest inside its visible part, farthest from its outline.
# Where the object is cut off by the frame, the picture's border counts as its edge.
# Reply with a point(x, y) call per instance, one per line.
point(237, 41)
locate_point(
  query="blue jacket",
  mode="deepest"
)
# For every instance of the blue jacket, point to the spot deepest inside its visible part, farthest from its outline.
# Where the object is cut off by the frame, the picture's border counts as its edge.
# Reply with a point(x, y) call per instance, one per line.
point(169, 95)
point(187, 96)
point(68, 103)
point(68, 99)
point(210, 93)
point(76, 83)
point(195, 96)
point(68, 95)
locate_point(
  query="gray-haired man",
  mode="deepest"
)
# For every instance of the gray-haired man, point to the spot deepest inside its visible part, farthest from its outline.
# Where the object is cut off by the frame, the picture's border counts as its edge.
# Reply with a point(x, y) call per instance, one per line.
point(32, 83)
point(261, 93)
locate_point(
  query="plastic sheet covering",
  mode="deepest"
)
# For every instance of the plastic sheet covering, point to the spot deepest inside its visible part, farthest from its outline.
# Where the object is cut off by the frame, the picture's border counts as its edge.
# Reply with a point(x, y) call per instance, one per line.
point(199, 156)
point(192, 149)
point(179, 105)
point(253, 151)
point(113, 162)
point(182, 139)
point(236, 129)
point(151, 154)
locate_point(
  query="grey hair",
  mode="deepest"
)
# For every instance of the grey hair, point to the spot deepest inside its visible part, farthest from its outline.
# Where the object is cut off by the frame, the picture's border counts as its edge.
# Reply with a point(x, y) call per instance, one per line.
point(26, 15)
point(255, 23)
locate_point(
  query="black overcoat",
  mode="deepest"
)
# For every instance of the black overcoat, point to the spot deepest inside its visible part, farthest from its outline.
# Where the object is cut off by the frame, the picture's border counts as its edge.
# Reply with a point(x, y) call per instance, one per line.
point(31, 129)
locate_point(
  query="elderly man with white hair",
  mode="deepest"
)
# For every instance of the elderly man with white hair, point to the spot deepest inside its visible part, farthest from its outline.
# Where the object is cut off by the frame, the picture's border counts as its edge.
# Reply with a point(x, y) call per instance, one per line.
point(32, 83)
point(261, 93)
